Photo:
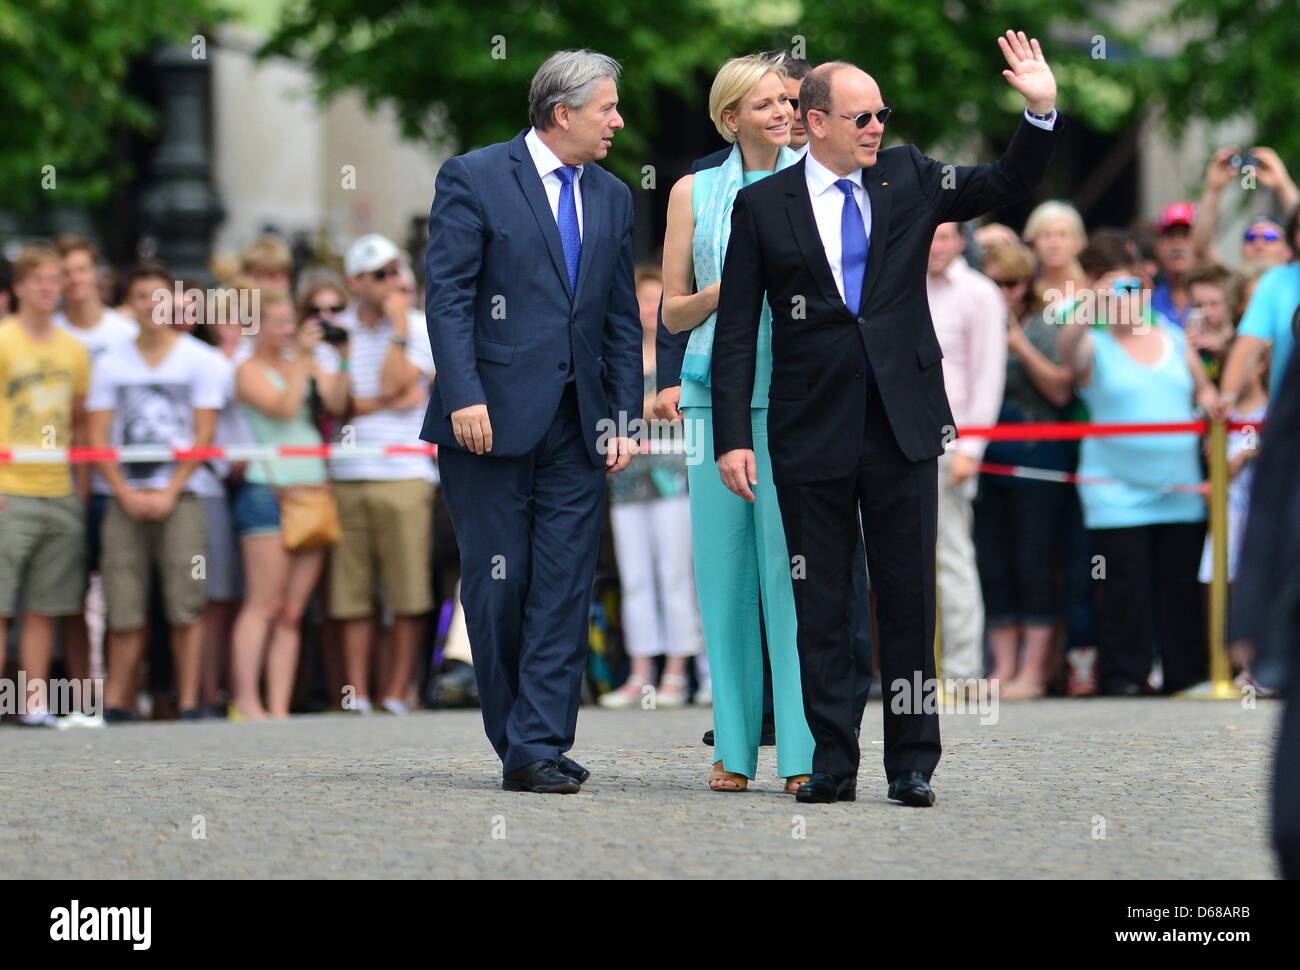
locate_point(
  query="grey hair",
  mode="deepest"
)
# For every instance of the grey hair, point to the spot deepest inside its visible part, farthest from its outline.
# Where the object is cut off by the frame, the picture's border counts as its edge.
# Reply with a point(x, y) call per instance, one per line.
point(568, 78)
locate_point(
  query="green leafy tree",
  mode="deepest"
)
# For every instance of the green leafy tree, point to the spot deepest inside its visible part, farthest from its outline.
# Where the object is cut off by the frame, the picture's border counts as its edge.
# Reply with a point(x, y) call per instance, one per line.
point(62, 67)
point(1241, 58)
point(461, 70)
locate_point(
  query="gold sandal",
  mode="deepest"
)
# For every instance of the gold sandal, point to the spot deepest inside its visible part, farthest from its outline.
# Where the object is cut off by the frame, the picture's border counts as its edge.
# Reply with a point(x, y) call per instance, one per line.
point(793, 782)
point(737, 782)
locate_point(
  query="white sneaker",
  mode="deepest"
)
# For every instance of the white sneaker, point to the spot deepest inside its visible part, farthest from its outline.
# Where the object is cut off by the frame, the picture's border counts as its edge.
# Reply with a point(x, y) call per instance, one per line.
point(360, 705)
point(629, 695)
point(79, 720)
point(672, 692)
point(42, 719)
point(704, 695)
point(393, 706)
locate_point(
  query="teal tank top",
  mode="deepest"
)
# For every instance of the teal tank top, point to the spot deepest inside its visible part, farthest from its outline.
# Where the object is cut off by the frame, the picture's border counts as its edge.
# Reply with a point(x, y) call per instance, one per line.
point(695, 394)
point(1121, 390)
point(297, 430)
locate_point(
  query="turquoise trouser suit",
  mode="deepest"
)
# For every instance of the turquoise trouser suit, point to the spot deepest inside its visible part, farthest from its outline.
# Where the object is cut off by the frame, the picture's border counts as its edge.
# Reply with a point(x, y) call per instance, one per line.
point(740, 550)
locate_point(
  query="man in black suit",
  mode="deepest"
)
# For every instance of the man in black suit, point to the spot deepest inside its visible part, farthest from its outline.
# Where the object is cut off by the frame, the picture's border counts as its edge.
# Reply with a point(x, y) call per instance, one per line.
point(857, 413)
point(1266, 599)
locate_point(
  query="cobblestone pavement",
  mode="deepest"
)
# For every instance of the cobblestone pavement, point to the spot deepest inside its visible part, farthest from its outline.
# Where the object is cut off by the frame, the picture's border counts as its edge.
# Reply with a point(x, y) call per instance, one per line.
point(1180, 787)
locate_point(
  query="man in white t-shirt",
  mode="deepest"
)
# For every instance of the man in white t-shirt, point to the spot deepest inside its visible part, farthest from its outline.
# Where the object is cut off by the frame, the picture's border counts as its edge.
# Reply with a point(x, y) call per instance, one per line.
point(385, 504)
point(84, 315)
point(97, 328)
point(160, 390)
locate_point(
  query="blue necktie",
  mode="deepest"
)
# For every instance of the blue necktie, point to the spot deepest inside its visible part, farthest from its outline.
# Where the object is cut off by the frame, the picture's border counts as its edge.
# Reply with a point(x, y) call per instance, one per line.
point(853, 246)
point(567, 218)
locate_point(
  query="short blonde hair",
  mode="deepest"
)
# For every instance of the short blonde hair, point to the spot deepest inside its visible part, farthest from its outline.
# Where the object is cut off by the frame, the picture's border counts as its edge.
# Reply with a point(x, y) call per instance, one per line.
point(33, 255)
point(736, 78)
point(1051, 211)
point(1016, 261)
point(267, 253)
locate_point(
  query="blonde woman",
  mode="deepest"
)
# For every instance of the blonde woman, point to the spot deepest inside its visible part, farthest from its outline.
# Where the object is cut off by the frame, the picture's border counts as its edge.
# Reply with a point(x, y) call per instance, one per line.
point(739, 547)
point(273, 386)
point(1055, 232)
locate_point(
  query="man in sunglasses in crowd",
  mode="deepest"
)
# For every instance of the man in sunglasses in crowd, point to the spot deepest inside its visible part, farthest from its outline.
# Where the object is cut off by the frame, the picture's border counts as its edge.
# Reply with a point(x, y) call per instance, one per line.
point(385, 504)
point(838, 245)
point(1263, 240)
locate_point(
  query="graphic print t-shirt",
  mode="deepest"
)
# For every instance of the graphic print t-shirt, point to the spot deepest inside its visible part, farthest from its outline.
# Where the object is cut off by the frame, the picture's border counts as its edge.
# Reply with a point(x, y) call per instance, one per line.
point(155, 406)
point(38, 382)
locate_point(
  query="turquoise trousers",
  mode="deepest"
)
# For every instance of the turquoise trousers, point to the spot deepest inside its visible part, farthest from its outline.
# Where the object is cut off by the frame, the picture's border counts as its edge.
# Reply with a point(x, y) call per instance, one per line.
point(739, 550)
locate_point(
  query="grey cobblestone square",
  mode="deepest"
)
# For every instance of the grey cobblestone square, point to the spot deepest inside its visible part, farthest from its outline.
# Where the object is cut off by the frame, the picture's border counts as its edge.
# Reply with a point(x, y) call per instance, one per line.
point(1179, 789)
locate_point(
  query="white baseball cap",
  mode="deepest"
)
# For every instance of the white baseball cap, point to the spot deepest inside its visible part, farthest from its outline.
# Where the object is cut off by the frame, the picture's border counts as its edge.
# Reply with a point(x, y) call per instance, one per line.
point(368, 254)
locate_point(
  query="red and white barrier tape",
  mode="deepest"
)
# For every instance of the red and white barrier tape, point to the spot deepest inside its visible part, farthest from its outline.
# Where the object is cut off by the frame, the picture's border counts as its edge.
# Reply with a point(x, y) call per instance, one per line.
point(1070, 478)
point(1059, 431)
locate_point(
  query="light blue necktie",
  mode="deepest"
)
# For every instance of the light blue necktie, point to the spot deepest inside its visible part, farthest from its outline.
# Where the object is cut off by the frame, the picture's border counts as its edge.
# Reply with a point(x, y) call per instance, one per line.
point(854, 247)
point(567, 219)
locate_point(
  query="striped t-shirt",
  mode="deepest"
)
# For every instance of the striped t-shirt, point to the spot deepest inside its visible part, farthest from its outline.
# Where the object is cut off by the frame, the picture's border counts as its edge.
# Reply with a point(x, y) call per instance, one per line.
point(366, 350)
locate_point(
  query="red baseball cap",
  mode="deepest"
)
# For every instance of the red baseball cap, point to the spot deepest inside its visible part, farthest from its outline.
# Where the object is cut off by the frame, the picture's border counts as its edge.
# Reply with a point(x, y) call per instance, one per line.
point(1176, 214)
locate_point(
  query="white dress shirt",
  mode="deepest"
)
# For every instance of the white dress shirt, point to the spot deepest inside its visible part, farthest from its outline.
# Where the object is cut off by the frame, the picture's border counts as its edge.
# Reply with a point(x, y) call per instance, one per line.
point(828, 204)
point(547, 163)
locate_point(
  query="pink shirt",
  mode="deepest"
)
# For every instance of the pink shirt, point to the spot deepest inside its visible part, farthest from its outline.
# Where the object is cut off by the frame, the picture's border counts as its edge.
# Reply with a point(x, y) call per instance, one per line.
point(970, 321)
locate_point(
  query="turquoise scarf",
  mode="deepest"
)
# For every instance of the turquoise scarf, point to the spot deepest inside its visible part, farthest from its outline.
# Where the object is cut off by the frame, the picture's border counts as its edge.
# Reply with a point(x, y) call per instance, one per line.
point(712, 232)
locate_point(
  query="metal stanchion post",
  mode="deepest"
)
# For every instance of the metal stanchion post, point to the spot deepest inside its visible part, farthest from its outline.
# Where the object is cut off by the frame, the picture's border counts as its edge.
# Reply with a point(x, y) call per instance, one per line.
point(1219, 686)
point(1220, 670)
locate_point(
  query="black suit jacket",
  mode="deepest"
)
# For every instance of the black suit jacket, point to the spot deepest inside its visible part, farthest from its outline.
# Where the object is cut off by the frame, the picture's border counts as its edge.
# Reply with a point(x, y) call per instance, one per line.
point(670, 348)
point(818, 394)
point(1266, 596)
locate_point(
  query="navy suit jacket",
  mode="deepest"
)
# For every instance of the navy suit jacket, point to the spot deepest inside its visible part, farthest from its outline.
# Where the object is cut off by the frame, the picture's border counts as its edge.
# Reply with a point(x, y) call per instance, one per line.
point(503, 322)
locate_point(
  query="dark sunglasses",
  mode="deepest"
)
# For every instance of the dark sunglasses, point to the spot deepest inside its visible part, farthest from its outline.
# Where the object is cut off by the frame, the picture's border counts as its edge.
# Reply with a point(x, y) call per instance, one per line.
point(793, 102)
point(864, 119)
point(383, 274)
point(1266, 235)
point(318, 311)
point(1009, 284)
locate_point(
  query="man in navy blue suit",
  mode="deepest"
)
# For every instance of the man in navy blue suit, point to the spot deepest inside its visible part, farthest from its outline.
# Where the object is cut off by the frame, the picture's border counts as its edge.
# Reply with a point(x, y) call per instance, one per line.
point(536, 339)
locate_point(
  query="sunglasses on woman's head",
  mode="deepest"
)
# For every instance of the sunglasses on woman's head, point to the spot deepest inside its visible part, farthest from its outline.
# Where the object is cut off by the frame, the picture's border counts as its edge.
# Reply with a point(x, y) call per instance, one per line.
point(1262, 235)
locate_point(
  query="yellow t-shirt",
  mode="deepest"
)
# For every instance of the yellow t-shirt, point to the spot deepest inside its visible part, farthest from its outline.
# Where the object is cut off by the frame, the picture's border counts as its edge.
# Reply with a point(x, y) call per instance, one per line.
point(38, 382)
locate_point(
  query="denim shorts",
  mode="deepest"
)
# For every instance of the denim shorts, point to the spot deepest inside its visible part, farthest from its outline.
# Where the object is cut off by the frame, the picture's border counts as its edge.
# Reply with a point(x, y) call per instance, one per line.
point(257, 510)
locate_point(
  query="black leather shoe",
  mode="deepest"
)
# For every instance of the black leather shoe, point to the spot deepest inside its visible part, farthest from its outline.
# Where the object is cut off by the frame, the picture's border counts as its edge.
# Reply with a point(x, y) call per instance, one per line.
point(828, 788)
point(571, 768)
point(456, 686)
point(765, 740)
point(543, 777)
point(911, 788)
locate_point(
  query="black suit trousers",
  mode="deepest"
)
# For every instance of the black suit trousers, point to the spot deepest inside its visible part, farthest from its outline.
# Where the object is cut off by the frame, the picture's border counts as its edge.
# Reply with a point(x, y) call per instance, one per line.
point(898, 501)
